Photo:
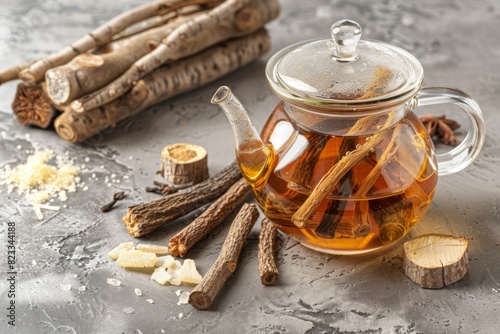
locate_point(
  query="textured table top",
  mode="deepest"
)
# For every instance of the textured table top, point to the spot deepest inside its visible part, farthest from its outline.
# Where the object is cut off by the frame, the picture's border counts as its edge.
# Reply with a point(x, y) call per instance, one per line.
point(458, 45)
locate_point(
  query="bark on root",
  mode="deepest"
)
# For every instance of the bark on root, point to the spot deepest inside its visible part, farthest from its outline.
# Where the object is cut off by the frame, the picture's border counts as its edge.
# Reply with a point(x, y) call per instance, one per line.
point(204, 293)
point(145, 218)
point(233, 18)
point(102, 35)
point(88, 72)
point(163, 83)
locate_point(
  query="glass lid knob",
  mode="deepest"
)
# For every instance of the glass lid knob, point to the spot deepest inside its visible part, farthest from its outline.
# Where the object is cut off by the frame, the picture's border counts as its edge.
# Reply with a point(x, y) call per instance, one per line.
point(346, 35)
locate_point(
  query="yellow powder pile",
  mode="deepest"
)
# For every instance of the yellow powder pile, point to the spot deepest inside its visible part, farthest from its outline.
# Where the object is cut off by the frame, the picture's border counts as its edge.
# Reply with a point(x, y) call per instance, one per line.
point(39, 180)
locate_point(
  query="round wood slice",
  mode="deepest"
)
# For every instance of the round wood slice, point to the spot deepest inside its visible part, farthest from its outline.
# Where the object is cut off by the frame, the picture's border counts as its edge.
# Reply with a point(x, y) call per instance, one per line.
point(184, 163)
point(435, 260)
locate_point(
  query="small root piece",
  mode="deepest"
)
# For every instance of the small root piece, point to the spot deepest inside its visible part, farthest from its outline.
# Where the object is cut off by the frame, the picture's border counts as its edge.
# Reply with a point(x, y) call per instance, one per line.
point(267, 266)
point(204, 293)
point(181, 242)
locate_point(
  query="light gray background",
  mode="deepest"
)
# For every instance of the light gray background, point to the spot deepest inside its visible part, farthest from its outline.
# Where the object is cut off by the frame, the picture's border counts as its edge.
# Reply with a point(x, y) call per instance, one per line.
point(458, 45)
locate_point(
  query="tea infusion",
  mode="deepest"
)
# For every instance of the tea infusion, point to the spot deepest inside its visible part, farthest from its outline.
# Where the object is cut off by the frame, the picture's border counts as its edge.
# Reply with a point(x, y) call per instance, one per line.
point(375, 203)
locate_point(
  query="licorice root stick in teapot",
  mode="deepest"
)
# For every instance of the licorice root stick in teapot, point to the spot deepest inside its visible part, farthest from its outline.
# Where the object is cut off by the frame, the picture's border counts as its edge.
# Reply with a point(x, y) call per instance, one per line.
point(329, 182)
point(335, 209)
point(364, 227)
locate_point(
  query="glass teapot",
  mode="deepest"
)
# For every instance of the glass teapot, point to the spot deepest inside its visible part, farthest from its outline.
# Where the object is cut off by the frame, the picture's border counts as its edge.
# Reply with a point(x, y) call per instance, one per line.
point(343, 165)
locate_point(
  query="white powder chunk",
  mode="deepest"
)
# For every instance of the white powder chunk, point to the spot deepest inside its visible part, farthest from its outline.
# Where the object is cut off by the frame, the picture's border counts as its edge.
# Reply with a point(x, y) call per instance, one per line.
point(82, 288)
point(123, 247)
point(176, 265)
point(164, 261)
point(181, 315)
point(175, 281)
point(38, 212)
point(66, 287)
point(150, 301)
point(138, 292)
point(159, 250)
point(184, 298)
point(161, 276)
point(49, 207)
point(178, 293)
point(113, 282)
point(188, 273)
point(136, 259)
point(40, 179)
point(62, 196)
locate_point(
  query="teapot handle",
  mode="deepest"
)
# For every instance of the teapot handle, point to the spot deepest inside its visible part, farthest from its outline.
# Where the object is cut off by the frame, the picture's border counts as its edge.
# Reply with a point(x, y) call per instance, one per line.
point(462, 155)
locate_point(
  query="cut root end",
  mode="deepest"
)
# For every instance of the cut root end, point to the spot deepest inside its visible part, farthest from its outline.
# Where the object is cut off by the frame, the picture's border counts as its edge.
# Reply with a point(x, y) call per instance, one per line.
point(66, 132)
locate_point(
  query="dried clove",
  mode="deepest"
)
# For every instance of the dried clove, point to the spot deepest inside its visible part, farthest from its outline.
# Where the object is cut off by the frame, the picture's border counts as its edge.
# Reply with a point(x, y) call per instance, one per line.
point(166, 189)
point(116, 197)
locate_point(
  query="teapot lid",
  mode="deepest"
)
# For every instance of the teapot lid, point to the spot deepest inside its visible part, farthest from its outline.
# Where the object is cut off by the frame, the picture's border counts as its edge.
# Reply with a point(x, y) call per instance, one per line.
point(343, 71)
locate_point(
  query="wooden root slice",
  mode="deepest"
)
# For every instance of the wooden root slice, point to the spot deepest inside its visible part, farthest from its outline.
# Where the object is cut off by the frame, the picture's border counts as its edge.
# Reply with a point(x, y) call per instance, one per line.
point(435, 260)
point(184, 163)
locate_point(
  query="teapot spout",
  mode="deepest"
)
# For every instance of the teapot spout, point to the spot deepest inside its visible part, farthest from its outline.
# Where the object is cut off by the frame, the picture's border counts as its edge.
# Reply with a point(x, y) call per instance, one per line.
point(253, 155)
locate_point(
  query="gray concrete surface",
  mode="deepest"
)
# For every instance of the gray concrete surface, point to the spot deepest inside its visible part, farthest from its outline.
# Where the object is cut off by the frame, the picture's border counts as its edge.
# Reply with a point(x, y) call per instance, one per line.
point(457, 42)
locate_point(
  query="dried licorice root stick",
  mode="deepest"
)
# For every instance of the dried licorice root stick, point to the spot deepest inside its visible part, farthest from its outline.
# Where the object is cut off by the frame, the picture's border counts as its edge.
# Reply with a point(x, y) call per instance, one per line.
point(267, 266)
point(160, 20)
point(12, 73)
point(103, 34)
point(165, 82)
point(233, 18)
point(204, 293)
point(89, 72)
point(142, 219)
point(181, 242)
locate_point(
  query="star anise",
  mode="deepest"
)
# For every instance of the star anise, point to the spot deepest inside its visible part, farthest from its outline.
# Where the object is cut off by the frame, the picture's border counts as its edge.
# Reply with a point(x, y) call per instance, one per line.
point(441, 128)
point(32, 107)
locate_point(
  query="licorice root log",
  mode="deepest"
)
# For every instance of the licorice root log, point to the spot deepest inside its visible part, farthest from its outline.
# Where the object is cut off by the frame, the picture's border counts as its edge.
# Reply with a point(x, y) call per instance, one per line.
point(36, 71)
point(231, 19)
point(163, 83)
point(89, 72)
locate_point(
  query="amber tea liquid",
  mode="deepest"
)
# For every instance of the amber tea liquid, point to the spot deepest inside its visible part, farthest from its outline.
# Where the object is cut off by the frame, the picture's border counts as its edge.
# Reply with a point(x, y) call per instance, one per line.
point(402, 181)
